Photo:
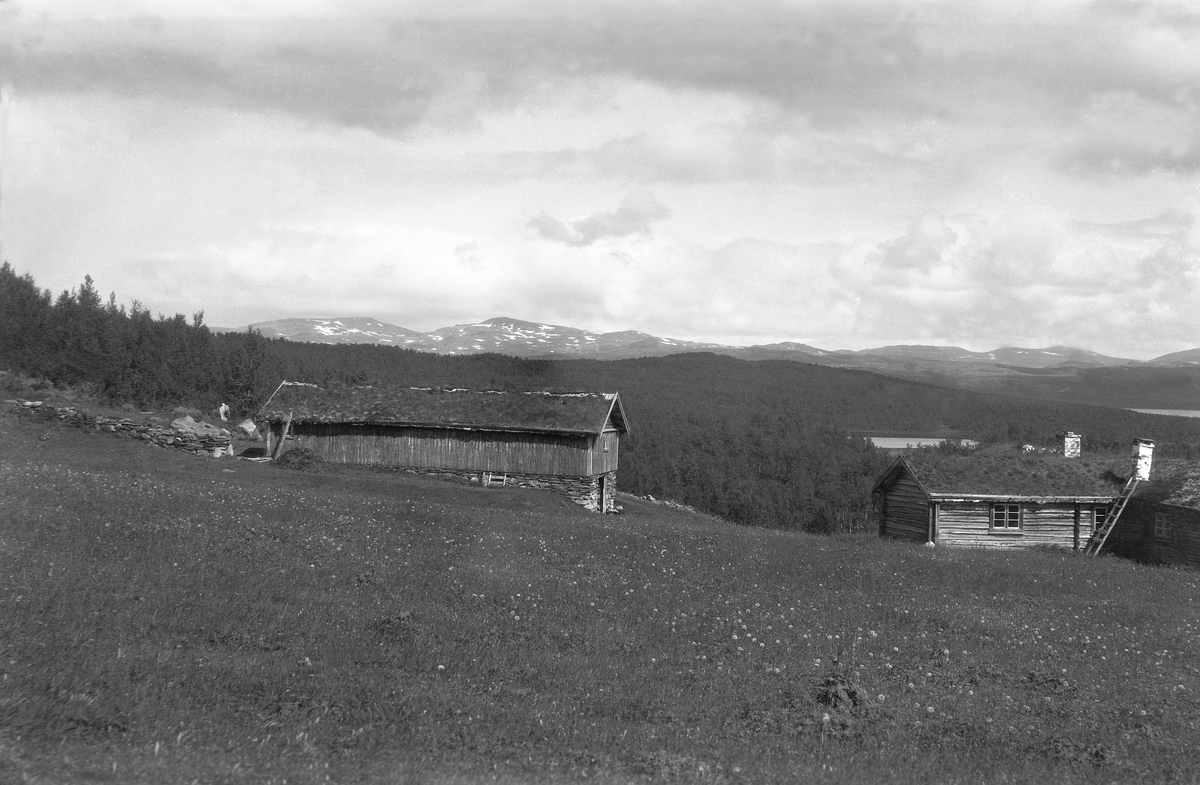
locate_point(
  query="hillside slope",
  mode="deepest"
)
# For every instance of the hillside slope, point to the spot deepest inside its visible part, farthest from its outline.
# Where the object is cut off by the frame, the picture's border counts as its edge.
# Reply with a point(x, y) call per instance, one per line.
point(169, 618)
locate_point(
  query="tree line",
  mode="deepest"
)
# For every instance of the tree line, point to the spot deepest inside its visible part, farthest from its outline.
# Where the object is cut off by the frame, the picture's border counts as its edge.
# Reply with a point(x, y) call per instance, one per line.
point(764, 443)
point(120, 354)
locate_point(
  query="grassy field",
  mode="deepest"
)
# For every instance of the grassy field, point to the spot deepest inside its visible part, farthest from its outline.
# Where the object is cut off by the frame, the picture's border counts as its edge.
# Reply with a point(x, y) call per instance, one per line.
point(166, 618)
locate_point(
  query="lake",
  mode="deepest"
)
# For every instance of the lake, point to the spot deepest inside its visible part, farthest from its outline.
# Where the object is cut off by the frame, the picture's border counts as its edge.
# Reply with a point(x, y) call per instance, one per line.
point(1171, 412)
point(904, 442)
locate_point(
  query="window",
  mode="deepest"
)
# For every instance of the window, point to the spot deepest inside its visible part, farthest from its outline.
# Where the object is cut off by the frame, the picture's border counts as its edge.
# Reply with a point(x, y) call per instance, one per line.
point(606, 439)
point(1162, 525)
point(1006, 517)
point(1099, 513)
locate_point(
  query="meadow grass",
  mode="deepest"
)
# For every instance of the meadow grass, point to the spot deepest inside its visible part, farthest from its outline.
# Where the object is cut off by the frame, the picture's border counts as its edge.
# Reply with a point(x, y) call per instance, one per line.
point(168, 618)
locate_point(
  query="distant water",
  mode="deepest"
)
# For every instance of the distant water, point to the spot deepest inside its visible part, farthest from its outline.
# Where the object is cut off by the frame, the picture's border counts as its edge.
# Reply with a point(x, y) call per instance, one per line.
point(901, 442)
point(1171, 412)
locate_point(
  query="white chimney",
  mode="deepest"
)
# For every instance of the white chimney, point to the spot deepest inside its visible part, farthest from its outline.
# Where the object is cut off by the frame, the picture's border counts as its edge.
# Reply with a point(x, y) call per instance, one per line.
point(1143, 449)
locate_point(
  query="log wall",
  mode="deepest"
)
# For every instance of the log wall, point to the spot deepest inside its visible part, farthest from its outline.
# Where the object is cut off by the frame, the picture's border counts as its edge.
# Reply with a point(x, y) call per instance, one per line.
point(1053, 524)
point(1133, 537)
point(969, 523)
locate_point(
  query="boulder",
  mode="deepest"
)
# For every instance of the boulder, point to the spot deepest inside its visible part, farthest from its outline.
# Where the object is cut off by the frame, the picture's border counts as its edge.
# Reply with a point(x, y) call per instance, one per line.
point(186, 425)
point(183, 423)
point(247, 428)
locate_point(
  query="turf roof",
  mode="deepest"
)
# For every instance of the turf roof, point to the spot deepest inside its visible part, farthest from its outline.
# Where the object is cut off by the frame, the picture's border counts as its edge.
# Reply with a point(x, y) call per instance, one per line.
point(1011, 473)
point(1172, 482)
point(572, 413)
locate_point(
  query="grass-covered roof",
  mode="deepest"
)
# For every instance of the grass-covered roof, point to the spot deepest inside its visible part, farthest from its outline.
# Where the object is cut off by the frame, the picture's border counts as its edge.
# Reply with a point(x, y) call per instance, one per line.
point(1009, 472)
point(571, 413)
point(1172, 482)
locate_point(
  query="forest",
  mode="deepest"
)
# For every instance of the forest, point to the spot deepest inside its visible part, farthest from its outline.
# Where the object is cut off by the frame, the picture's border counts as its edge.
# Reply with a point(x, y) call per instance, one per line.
point(767, 443)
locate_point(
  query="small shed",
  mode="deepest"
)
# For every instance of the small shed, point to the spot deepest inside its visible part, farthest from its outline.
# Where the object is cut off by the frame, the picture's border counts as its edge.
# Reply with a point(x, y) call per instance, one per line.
point(565, 442)
point(997, 499)
point(1161, 524)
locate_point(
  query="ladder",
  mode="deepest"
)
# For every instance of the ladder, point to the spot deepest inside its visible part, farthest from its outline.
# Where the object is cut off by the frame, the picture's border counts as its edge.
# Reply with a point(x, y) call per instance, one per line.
point(494, 478)
point(1110, 521)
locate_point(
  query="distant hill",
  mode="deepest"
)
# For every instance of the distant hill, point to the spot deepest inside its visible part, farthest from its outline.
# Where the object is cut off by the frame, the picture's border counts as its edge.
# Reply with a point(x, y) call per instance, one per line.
point(1186, 357)
point(1060, 373)
point(502, 334)
point(519, 338)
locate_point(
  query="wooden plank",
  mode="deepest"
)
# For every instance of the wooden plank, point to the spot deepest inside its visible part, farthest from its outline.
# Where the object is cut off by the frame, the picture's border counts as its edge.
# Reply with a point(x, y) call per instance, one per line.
point(282, 436)
point(516, 453)
point(906, 510)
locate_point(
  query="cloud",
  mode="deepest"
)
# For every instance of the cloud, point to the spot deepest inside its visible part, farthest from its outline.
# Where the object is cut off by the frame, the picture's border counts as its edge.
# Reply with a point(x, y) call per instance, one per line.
point(835, 64)
point(633, 217)
point(1028, 280)
point(1124, 160)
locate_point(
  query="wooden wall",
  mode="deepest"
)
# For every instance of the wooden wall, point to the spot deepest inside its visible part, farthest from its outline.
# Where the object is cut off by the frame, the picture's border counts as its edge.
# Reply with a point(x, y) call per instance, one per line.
point(1133, 537)
point(969, 523)
point(605, 461)
point(436, 448)
point(905, 509)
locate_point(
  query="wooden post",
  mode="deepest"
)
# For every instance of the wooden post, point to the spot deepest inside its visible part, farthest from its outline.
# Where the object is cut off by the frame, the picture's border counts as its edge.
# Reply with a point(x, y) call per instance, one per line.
point(1076, 545)
point(282, 436)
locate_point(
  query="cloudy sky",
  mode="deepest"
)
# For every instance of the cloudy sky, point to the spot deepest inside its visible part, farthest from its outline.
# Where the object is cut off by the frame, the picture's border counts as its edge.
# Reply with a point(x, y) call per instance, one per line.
point(846, 174)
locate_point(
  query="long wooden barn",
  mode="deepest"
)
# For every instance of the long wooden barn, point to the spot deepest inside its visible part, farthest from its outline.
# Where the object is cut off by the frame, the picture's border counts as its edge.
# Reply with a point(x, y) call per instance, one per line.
point(565, 442)
point(997, 499)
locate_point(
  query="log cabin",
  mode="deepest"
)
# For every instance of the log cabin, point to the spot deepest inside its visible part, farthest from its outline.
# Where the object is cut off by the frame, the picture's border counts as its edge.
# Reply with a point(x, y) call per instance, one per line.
point(997, 498)
point(1161, 523)
point(564, 442)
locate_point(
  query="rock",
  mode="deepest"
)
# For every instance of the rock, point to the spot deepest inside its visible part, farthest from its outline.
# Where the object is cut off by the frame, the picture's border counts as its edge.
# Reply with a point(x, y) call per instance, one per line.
point(247, 427)
point(184, 423)
point(189, 427)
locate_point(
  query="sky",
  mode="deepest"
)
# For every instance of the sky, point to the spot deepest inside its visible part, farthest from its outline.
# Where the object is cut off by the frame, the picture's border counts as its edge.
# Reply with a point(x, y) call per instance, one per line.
point(843, 174)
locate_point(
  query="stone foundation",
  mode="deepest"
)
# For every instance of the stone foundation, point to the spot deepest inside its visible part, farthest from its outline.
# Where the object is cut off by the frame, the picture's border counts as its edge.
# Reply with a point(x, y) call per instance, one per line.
point(584, 491)
point(187, 441)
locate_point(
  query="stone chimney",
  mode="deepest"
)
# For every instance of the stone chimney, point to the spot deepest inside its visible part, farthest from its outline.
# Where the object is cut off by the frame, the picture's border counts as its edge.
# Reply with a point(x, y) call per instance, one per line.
point(1070, 443)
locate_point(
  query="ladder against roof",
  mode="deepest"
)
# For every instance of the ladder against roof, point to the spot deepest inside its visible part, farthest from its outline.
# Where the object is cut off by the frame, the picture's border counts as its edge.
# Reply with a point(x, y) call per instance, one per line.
point(1143, 451)
point(1110, 520)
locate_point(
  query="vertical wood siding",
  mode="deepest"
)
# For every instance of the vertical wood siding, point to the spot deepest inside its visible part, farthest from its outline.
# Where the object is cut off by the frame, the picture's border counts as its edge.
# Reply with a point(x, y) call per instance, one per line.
point(436, 448)
point(905, 510)
point(605, 461)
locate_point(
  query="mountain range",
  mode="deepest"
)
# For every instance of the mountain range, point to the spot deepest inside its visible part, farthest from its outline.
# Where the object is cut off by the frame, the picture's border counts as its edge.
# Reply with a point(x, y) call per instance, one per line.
point(520, 338)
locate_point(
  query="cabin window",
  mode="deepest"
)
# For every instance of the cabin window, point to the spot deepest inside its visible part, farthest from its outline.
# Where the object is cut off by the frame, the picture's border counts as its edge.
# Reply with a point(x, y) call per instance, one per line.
point(606, 439)
point(1006, 517)
point(1098, 515)
point(1162, 525)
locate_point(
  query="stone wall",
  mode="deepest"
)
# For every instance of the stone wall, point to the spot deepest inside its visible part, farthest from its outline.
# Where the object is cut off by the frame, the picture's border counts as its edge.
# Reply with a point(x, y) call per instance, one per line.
point(177, 438)
point(584, 491)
